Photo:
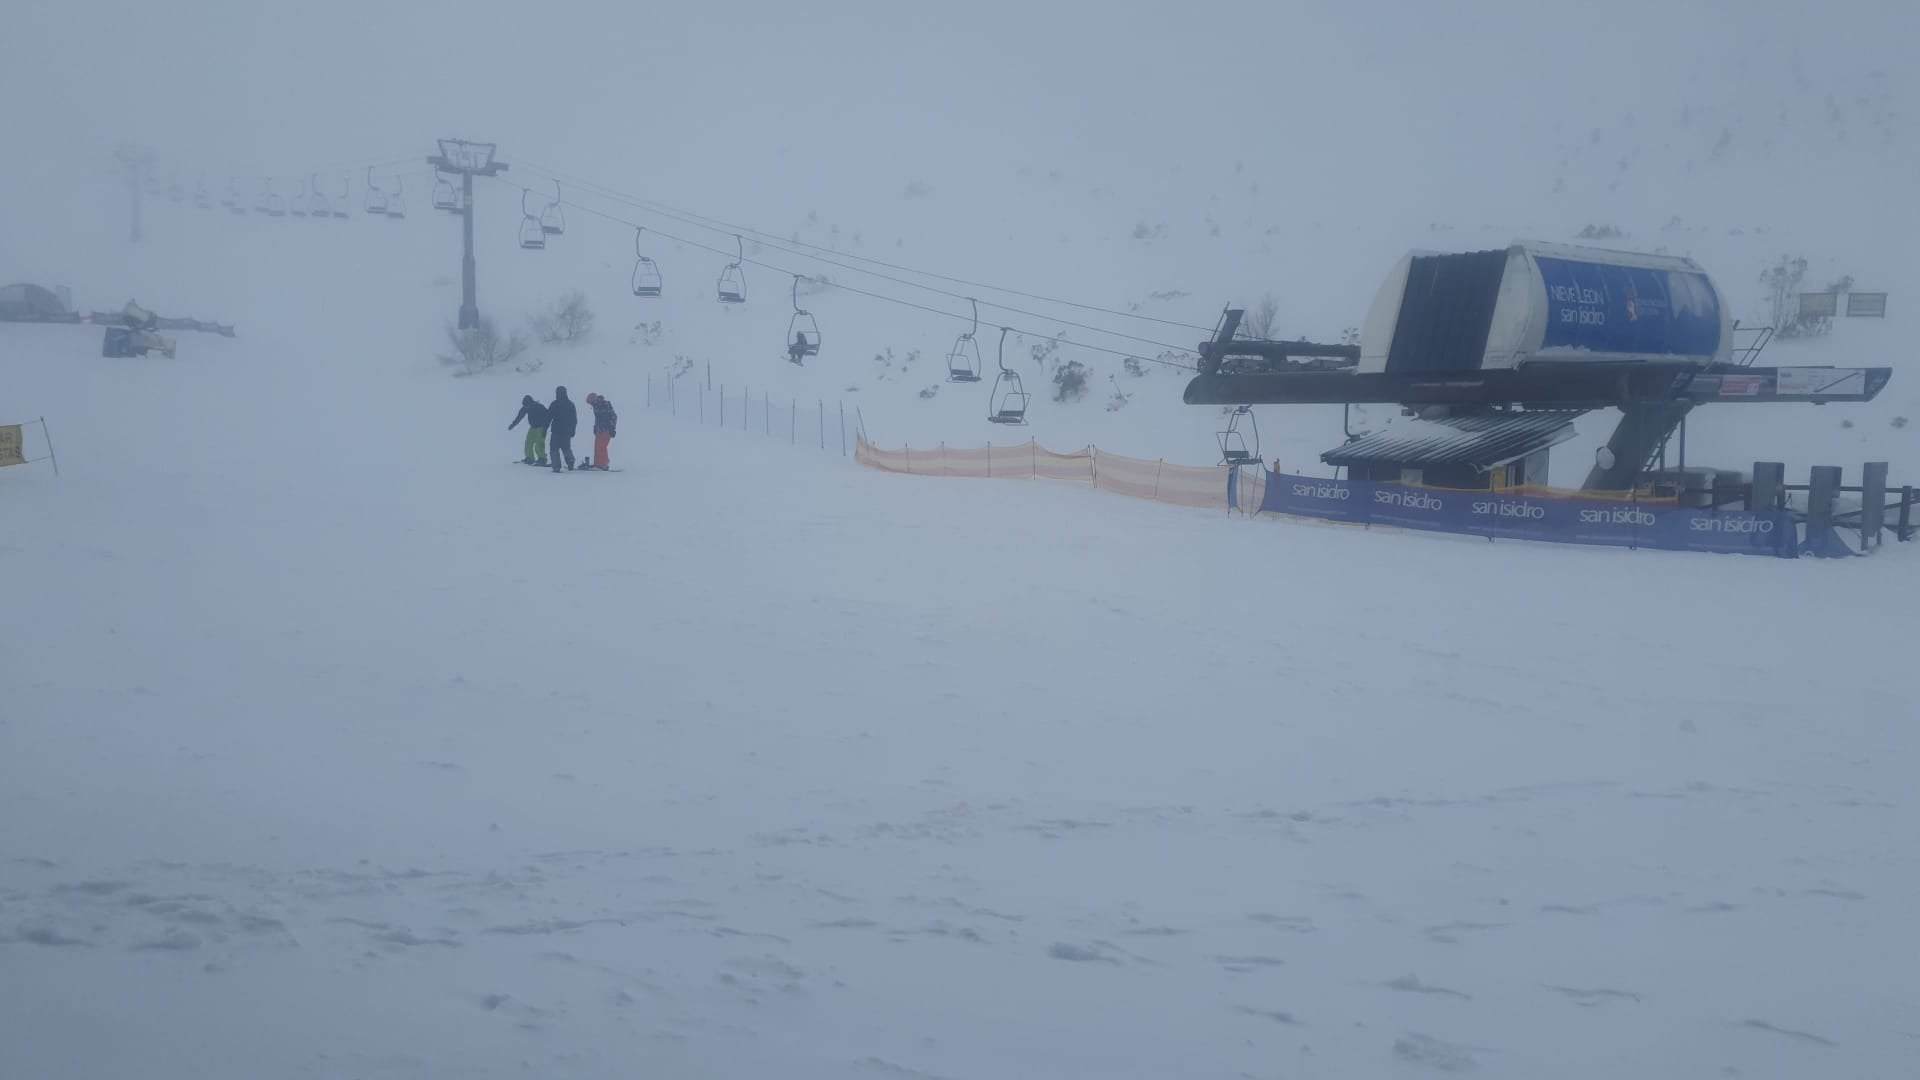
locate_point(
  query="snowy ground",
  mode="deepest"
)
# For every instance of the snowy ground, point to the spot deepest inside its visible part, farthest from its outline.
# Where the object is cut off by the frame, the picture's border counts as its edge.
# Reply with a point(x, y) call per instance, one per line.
point(329, 750)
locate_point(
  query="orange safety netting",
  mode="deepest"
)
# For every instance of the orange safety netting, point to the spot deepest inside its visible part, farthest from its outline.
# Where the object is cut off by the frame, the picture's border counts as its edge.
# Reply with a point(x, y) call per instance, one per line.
point(1025, 460)
point(1179, 485)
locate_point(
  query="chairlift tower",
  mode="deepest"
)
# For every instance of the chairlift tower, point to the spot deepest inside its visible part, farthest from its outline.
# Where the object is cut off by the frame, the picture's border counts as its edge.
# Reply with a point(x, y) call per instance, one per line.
point(137, 160)
point(468, 159)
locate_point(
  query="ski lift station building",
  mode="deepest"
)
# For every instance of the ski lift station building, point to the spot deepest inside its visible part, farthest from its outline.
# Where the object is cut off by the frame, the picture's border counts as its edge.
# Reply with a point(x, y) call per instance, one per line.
point(1495, 354)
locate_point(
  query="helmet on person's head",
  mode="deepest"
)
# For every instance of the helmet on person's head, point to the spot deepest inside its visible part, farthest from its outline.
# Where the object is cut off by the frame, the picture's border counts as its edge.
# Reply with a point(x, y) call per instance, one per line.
point(560, 391)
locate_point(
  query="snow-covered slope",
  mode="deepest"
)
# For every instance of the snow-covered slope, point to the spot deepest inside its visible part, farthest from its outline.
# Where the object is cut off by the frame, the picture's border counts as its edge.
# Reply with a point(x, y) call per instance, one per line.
point(335, 745)
point(332, 744)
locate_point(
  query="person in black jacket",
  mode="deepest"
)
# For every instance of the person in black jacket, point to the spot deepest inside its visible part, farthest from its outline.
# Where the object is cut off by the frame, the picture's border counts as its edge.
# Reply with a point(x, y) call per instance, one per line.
point(562, 422)
point(535, 414)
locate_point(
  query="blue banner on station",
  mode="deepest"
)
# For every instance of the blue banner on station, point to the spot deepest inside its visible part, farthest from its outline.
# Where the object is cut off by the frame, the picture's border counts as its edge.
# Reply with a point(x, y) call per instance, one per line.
point(1631, 310)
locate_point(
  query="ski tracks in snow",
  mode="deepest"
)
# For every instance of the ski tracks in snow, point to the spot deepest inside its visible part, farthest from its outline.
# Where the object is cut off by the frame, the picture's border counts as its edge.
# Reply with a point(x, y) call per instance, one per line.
point(816, 927)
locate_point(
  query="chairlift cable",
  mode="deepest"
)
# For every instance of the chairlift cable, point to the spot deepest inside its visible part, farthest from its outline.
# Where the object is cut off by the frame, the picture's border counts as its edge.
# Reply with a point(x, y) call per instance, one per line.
point(700, 246)
point(717, 225)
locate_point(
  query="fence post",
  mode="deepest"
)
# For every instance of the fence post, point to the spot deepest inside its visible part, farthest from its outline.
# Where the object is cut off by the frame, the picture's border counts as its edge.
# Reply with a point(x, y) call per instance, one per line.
point(1033, 451)
point(861, 419)
point(709, 374)
point(1093, 464)
point(1873, 503)
point(673, 397)
point(1765, 491)
point(1823, 487)
point(989, 461)
point(908, 450)
point(1162, 463)
point(1905, 530)
point(843, 429)
point(47, 434)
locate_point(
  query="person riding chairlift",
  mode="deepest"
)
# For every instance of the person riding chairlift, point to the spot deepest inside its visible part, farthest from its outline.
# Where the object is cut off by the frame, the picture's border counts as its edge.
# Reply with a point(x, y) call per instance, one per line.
point(797, 352)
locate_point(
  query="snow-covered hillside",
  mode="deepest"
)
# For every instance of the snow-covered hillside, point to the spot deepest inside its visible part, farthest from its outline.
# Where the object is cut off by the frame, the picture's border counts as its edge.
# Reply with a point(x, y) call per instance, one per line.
point(333, 744)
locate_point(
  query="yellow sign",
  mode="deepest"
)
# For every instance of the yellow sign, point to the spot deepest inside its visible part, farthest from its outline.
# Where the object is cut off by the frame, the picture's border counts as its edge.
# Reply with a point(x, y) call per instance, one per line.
point(11, 446)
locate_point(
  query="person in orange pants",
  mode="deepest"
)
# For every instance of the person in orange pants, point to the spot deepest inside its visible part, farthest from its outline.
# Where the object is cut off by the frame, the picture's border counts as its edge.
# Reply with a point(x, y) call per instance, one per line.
point(604, 422)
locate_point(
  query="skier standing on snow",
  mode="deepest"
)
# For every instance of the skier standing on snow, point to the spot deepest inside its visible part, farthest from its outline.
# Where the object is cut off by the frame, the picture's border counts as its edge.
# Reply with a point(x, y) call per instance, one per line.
point(604, 420)
point(535, 414)
point(562, 421)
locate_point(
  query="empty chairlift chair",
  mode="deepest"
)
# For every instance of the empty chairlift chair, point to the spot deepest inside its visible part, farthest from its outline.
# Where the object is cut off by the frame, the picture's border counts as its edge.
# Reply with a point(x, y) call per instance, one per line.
point(319, 206)
point(269, 202)
point(1007, 401)
point(532, 236)
point(232, 200)
point(202, 198)
point(375, 200)
point(445, 195)
point(553, 220)
point(297, 206)
point(1234, 447)
point(646, 274)
point(963, 363)
point(733, 280)
point(343, 206)
point(803, 331)
point(397, 199)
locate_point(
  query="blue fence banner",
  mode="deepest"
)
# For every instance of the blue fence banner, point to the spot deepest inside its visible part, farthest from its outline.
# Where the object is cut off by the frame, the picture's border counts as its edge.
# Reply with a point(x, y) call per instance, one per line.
point(1308, 496)
point(1522, 516)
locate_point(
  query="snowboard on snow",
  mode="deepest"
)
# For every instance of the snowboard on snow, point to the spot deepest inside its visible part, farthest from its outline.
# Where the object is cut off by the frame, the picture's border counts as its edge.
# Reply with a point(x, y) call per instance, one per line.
point(537, 465)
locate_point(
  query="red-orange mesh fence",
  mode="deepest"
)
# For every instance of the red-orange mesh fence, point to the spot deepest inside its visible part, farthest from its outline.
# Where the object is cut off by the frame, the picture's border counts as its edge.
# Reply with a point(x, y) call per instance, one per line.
point(1179, 485)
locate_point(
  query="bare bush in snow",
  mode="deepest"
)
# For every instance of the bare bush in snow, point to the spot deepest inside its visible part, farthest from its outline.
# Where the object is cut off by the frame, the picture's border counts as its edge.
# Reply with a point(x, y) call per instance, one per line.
point(1069, 381)
point(1257, 324)
point(481, 348)
point(568, 322)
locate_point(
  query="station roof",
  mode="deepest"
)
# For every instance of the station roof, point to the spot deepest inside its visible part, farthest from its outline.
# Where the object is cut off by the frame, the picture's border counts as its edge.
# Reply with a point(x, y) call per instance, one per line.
point(1482, 440)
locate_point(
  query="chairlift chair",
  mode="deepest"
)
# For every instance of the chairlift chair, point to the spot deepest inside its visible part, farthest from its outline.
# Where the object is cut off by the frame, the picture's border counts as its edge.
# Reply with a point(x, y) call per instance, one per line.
point(803, 331)
point(269, 201)
point(297, 206)
point(202, 198)
point(1007, 401)
point(532, 236)
point(342, 206)
point(397, 200)
point(963, 363)
point(319, 207)
point(375, 200)
point(445, 195)
point(1234, 449)
point(733, 279)
point(232, 200)
point(646, 274)
point(553, 220)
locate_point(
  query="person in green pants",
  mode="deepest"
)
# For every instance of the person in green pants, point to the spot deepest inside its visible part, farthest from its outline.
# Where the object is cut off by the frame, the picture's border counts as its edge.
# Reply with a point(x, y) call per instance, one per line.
point(535, 414)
